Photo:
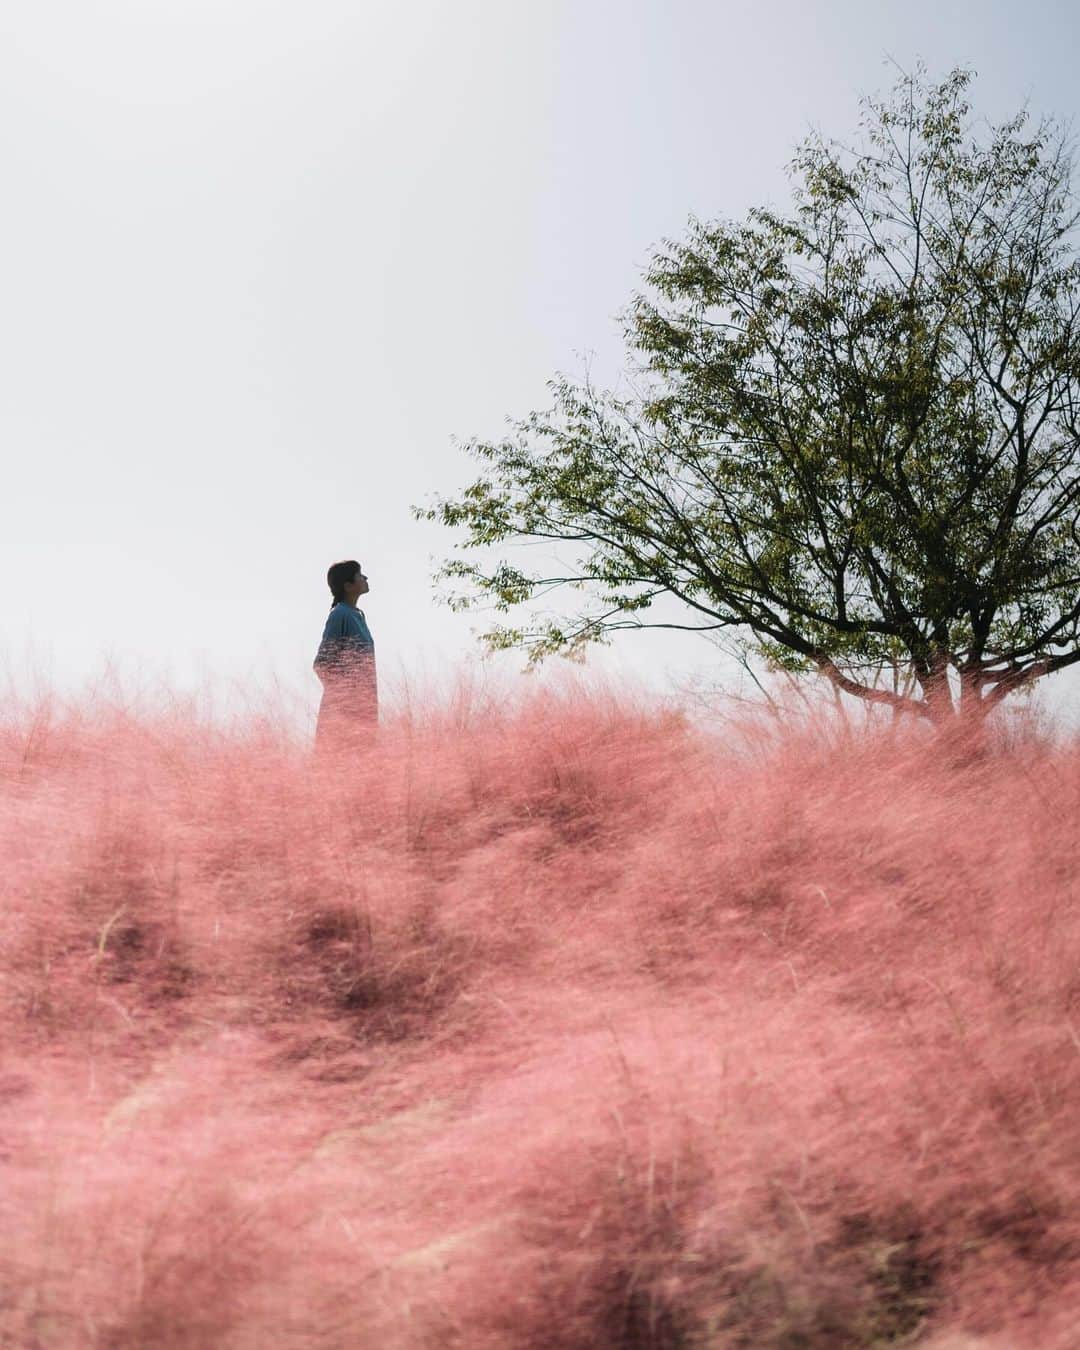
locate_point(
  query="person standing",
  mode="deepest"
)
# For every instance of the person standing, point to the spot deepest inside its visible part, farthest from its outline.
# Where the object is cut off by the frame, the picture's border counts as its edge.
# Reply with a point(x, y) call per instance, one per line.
point(345, 663)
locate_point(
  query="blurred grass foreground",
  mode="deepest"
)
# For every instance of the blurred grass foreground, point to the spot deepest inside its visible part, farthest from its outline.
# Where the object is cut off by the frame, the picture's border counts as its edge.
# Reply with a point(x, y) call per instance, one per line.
point(558, 1022)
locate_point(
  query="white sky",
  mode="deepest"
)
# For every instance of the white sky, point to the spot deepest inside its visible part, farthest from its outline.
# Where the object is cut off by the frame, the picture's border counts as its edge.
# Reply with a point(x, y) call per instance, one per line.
point(261, 261)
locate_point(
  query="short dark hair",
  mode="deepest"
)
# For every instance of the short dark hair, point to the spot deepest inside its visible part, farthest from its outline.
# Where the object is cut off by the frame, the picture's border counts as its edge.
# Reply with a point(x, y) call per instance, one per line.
point(339, 574)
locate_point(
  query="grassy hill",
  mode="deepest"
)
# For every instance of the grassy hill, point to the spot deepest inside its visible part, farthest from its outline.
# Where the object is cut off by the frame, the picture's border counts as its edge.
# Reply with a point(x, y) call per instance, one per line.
point(561, 1021)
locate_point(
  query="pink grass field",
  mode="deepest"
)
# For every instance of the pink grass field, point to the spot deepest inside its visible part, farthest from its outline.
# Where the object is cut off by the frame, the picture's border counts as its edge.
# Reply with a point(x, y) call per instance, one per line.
point(557, 1021)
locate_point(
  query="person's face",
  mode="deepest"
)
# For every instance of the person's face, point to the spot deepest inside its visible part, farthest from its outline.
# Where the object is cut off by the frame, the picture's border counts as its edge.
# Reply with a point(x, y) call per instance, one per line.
point(358, 586)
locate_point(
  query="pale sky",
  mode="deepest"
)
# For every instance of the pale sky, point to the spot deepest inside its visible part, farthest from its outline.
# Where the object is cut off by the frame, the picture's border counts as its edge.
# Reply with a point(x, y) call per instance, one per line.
point(262, 261)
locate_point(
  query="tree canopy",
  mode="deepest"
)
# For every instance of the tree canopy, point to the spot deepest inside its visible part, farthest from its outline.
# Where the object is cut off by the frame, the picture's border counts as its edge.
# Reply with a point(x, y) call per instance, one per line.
point(852, 441)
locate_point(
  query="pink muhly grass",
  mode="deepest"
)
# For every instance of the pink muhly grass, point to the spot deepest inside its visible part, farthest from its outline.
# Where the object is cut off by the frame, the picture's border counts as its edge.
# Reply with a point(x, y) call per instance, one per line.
point(552, 1020)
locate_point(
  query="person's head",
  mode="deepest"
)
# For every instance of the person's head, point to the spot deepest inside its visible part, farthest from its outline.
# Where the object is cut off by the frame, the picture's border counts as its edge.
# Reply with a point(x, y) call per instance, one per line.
point(347, 582)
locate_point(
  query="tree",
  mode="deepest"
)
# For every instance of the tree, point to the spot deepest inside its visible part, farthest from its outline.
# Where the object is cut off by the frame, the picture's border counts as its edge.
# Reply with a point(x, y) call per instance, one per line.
point(853, 445)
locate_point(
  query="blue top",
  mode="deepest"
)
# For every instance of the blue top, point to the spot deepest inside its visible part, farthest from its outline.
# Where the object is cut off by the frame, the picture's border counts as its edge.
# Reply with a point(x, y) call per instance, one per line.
point(345, 638)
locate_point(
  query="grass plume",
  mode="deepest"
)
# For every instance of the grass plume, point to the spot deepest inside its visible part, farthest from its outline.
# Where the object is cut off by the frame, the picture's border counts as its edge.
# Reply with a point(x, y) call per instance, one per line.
point(556, 1020)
